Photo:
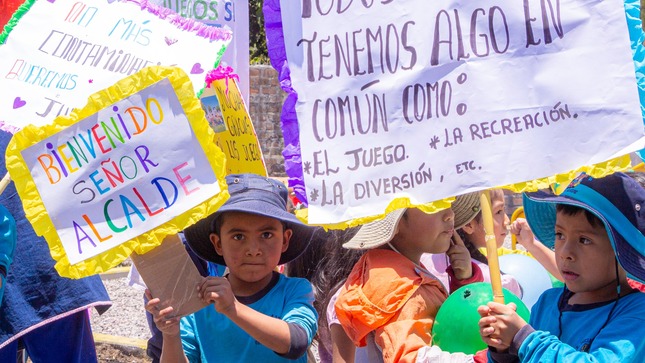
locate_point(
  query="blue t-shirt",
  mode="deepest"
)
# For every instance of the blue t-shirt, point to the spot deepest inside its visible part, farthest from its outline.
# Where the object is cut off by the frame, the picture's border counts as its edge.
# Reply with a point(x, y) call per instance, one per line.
point(583, 337)
point(209, 336)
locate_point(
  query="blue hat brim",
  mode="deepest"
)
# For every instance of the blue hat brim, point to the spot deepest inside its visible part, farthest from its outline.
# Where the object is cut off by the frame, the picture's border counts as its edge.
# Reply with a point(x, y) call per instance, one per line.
point(198, 235)
point(540, 211)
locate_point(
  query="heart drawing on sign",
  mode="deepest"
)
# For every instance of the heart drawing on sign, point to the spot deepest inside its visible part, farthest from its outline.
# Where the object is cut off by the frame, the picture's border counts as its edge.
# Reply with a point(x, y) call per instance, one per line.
point(170, 41)
point(18, 102)
point(197, 69)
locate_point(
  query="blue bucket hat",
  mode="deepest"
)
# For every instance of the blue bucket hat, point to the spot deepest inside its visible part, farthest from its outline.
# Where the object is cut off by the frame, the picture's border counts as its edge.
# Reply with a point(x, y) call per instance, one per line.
point(617, 200)
point(254, 194)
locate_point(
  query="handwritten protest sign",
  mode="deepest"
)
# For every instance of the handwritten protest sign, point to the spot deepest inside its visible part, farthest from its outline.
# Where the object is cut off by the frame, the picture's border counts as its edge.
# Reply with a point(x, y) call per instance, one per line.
point(133, 166)
point(421, 100)
point(60, 52)
point(228, 116)
point(231, 14)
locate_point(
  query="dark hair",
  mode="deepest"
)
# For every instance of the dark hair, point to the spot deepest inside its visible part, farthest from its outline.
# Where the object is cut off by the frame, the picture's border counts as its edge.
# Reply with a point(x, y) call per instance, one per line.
point(216, 227)
point(326, 264)
point(572, 210)
point(639, 176)
point(475, 254)
point(306, 265)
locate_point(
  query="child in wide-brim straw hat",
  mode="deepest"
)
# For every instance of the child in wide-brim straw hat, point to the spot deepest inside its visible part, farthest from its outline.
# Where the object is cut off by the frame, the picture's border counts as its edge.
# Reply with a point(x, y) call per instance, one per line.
point(389, 300)
point(470, 227)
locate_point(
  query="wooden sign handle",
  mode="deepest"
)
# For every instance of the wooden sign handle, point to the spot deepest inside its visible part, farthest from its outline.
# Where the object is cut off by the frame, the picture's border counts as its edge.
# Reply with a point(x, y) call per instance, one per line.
point(491, 248)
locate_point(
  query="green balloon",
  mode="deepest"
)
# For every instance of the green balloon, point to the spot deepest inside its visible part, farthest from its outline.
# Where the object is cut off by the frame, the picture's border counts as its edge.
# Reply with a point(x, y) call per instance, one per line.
point(456, 327)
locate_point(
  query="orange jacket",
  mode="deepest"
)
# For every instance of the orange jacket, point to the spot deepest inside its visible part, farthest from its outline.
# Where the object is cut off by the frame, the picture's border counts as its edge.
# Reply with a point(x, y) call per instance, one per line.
point(386, 295)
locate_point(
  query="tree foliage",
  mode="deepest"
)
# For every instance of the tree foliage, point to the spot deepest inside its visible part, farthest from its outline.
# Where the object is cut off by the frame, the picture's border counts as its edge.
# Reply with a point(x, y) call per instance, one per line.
point(257, 37)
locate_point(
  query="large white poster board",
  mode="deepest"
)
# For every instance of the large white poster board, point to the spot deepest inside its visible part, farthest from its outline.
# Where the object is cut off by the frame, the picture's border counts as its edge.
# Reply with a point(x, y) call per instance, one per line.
point(60, 52)
point(427, 99)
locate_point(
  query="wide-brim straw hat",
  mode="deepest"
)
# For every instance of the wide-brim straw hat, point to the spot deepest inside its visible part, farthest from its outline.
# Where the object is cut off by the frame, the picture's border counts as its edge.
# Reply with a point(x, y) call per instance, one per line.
point(617, 200)
point(380, 232)
point(466, 207)
point(254, 194)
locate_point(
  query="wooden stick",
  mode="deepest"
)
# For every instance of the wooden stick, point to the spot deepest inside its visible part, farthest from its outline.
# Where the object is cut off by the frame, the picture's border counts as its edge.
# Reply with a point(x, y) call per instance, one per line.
point(6, 179)
point(491, 248)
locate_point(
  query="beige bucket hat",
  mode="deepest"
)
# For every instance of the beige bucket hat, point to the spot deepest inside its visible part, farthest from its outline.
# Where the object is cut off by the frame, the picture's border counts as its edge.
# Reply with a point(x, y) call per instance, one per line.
point(380, 232)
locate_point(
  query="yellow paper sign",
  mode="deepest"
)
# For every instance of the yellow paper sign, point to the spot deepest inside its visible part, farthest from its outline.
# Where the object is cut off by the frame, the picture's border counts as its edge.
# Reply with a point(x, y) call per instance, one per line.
point(234, 132)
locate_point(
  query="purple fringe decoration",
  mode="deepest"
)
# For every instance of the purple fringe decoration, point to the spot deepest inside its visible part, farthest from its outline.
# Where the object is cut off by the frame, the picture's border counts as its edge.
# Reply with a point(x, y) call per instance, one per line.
point(290, 129)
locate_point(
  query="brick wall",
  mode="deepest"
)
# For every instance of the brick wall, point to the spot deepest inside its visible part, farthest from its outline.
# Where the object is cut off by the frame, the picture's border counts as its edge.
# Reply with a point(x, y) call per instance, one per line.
point(265, 105)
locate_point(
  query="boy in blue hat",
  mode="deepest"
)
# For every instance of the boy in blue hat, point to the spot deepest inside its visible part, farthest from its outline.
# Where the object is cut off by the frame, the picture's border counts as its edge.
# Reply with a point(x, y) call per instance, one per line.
point(258, 314)
point(596, 227)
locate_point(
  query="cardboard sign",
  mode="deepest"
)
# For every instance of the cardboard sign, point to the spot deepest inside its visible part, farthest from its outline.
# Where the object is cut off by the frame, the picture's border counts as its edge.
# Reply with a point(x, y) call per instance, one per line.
point(60, 52)
point(235, 135)
point(420, 100)
point(171, 276)
point(136, 164)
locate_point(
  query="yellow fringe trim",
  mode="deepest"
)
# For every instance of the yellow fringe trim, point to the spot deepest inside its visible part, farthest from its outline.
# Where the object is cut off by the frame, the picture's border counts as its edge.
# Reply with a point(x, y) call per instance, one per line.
point(35, 209)
point(558, 182)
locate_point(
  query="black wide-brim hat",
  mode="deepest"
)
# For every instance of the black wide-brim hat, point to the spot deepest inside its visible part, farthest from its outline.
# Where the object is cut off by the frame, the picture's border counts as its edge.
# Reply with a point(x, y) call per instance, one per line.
point(617, 200)
point(253, 194)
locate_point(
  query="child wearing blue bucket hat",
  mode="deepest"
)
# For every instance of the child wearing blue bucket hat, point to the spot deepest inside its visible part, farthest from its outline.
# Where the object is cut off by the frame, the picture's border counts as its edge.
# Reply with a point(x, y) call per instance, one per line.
point(254, 313)
point(596, 227)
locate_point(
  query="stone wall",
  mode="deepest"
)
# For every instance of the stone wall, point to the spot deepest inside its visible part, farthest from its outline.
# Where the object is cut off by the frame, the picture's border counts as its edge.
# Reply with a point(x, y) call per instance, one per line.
point(265, 105)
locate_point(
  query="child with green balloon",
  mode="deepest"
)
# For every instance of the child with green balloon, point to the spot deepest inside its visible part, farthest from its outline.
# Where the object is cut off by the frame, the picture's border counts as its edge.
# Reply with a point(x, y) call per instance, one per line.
point(596, 226)
point(390, 300)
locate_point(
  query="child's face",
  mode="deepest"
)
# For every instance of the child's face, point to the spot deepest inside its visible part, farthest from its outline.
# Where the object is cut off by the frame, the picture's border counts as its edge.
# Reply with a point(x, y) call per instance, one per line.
point(476, 229)
point(424, 233)
point(585, 258)
point(500, 219)
point(251, 245)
